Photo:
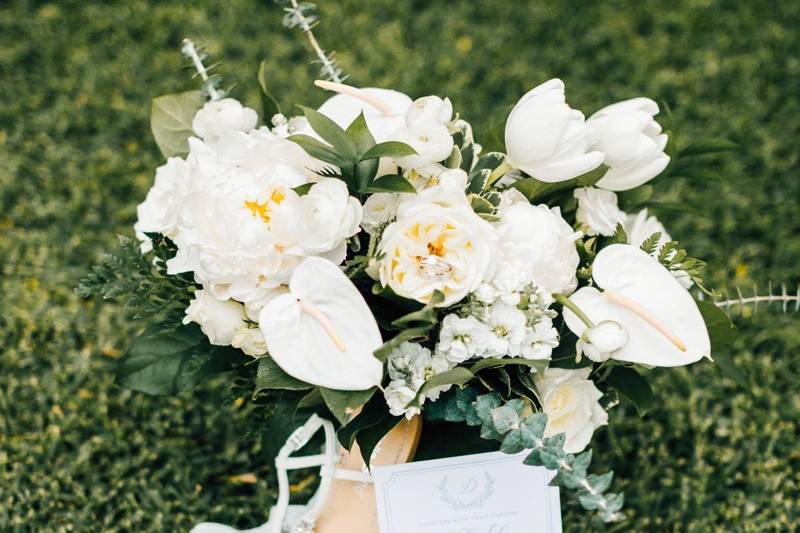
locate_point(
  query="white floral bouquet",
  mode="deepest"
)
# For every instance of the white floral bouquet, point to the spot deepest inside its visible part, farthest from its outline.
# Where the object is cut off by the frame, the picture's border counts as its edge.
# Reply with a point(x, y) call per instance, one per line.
point(370, 261)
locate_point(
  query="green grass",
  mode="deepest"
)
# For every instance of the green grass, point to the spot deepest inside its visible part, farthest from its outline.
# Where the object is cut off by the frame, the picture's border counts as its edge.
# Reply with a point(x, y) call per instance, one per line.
point(77, 453)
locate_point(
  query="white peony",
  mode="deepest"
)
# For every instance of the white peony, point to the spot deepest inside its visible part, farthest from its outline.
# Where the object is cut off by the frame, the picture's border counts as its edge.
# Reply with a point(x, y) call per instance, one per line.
point(632, 142)
point(379, 209)
point(546, 138)
point(462, 339)
point(160, 210)
point(536, 246)
point(219, 320)
point(221, 117)
point(570, 401)
point(598, 210)
point(600, 342)
point(436, 243)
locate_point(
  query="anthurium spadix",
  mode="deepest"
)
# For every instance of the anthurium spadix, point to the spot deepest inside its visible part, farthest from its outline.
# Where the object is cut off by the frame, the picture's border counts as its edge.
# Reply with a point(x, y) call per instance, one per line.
point(663, 324)
point(322, 331)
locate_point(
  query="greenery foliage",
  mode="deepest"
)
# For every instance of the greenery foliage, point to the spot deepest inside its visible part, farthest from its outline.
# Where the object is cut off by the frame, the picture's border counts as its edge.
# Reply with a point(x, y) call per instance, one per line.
point(80, 453)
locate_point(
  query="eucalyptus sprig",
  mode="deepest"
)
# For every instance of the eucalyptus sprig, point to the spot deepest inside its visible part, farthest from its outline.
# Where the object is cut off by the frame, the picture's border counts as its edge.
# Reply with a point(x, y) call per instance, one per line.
point(517, 428)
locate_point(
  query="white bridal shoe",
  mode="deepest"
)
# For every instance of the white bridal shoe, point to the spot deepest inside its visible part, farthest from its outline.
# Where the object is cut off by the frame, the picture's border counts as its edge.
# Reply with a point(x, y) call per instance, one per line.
point(345, 499)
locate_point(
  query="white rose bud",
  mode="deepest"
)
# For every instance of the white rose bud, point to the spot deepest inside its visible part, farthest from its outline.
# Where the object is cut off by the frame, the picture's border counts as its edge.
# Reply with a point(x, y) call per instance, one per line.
point(600, 342)
point(598, 210)
point(632, 141)
point(220, 117)
point(546, 138)
point(570, 401)
point(219, 320)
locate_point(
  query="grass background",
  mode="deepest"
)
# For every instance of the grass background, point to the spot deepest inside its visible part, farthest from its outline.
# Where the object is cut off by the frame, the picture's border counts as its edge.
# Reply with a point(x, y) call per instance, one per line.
point(78, 453)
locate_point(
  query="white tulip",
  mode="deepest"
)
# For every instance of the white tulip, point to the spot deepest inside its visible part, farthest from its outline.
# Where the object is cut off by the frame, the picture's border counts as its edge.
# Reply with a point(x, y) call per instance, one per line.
point(546, 138)
point(570, 401)
point(221, 117)
point(598, 210)
point(662, 321)
point(632, 141)
point(219, 320)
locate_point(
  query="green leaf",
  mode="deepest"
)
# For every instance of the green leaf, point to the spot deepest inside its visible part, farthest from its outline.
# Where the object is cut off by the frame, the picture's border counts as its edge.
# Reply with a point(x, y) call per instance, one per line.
point(342, 404)
point(620, 236)
point(359, 133)
point(633, 386)
point(321, 151)
point(303, 189)
point(455, 376)
point(168, 362)
point(271, 376)
point(331, 132)
point(480, 205)
point(171, 118)
point(269, 105)
point(535, 190)
point(388, 149)
point(722, 334)
point(391, 183)
point(494, 362)
point(373, 412)
point(708, 146)
point(368, 438)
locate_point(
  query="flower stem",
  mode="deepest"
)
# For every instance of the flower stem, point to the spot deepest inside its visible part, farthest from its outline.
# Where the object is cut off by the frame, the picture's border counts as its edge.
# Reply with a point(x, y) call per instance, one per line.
point(569, 304)
point(498, 173)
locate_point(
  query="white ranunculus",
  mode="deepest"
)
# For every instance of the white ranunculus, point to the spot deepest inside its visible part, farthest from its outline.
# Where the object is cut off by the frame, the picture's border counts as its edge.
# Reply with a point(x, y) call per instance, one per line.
point(632, 141)
point(600, 342)
point(598, 210)
point(430, 108)
point(431, 140)
point(436, 243)
point(536, 246)
point(220, 117)
point(570, 401)
point(546, 138)
point(323, 220)
point(219, 320)
point(641, 226)
point(250, 341)
point(379, 209)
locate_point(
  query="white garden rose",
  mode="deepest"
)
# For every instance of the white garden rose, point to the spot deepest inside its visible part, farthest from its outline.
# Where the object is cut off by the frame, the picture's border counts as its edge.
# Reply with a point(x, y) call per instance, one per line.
point(598, 210)
point(570, 401)
point(250, 341)
point(546, 138)
point(536, 246)
point(219, 320)
point(600, 342)
point(217, 118)
point(436, 243)
point(379, 209)
point(632, 142)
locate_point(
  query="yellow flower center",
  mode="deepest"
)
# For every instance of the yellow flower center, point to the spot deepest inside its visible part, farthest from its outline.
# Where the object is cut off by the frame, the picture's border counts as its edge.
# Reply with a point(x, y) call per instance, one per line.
point(264, 210)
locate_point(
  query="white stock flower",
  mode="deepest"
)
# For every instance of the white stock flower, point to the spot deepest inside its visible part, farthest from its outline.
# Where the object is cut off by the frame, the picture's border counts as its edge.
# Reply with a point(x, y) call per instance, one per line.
point(379, 209)
point(546, 138)
point(507, 330)
point(536, 246)
point(250, 341)
point(220, 117)
point(436, 243)
point(570, 401)
point(598, 210)
point(410, 366)
point(540, 340)
point(640, 227)
point(398, 395)
point(600, 342)
point(219, 320)
point(462, 338)
point(632, 142)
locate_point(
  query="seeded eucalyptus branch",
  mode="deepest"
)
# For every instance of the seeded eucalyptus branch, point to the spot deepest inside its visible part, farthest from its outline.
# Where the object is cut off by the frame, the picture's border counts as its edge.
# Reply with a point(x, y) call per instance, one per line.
point(789, 302)
point(518, 429)
point(211, 82)
point(301, 15)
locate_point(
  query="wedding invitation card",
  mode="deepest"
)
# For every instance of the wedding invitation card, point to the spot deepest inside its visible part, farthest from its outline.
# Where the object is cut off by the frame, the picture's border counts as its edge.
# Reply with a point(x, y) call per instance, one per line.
point(483, 493)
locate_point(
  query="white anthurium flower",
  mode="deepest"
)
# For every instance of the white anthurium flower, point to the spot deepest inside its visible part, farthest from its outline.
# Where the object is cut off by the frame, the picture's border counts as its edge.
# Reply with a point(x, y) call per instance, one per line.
point(662, 321)
point(220, 117)
point(323, 332)
point(220, 320)
point(571, 402)
point(382, 122)
point(641, 226)
point(436, 243)
point(601, 341)
point(632, 141)
point(598, 210)
point(547, 139)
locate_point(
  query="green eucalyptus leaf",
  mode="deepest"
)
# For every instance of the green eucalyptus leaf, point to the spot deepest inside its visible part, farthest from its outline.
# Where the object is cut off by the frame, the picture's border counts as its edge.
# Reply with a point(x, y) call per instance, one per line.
point(391, 183)
point(392, 149)
point(171, 118)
